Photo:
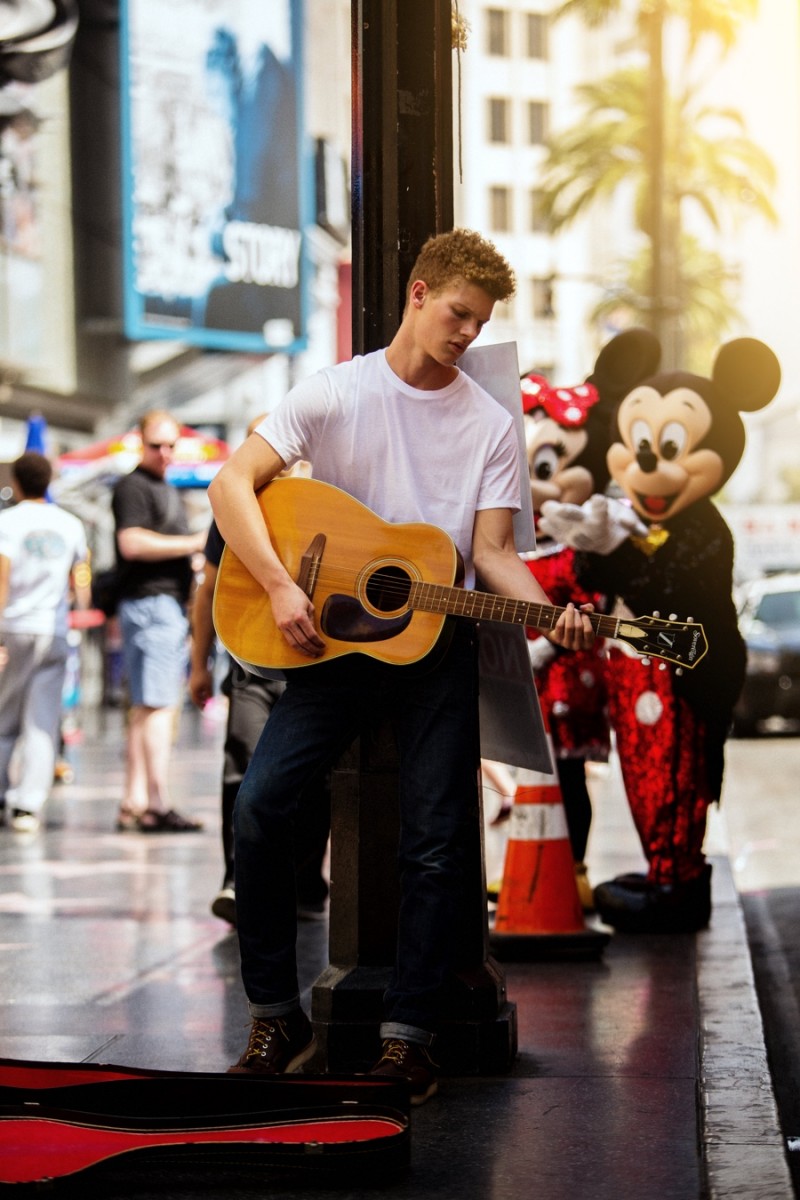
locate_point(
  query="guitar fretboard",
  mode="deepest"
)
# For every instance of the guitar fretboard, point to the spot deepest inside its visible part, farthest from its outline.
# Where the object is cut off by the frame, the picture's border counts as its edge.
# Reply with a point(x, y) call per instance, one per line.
point(484, 606)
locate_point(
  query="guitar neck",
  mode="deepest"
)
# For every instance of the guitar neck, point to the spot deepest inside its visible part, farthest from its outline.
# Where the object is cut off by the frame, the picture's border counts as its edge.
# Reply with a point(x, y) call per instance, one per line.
point(484, 606)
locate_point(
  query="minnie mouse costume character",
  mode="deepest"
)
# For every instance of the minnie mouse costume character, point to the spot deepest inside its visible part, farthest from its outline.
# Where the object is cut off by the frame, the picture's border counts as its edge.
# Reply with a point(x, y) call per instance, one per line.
point(567, 436)
point(676, 439)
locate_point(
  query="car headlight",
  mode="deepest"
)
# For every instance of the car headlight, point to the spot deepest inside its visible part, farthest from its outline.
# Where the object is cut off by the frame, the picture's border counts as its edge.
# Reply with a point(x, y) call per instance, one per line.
point(762, 661)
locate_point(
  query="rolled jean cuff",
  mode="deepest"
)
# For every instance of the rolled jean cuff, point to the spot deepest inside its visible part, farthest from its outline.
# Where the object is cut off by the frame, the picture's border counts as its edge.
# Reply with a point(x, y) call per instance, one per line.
point(259, 1011)
point(407, 1033)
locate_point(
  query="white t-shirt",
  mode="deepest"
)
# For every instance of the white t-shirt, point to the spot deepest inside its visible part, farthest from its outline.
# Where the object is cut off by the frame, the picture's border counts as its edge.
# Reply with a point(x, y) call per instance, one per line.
point(43, 543)
point(409, 455)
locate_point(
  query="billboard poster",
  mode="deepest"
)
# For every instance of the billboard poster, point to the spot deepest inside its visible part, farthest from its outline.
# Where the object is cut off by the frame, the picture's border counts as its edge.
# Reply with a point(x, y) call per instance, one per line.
point(214, 172)
point(36, 273)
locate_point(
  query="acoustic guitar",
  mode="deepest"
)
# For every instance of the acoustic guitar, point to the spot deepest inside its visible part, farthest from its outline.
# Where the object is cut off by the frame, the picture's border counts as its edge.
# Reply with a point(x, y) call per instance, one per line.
point(385, 589)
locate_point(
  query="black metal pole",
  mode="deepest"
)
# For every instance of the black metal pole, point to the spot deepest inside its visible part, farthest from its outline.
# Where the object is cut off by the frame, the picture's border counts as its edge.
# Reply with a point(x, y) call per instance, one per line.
point(402, 164)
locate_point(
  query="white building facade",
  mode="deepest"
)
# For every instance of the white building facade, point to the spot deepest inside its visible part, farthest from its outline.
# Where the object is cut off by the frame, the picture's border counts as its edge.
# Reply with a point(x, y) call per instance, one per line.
point(515, 83)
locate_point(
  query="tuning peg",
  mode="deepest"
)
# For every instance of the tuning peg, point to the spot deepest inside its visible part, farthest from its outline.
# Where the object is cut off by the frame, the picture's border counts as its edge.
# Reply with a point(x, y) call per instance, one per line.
point(656, 613)
point(673, 616)
point(679, 670)
point(662, 666)
point(645, 661)
point(690, 620)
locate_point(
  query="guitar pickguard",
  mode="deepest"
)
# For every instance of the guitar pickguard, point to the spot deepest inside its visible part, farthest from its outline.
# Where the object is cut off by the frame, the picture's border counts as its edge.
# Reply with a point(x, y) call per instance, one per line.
point(345, 619)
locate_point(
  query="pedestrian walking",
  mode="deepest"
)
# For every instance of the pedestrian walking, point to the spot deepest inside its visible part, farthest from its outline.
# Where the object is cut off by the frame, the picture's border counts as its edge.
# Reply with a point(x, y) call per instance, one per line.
point(42, 549)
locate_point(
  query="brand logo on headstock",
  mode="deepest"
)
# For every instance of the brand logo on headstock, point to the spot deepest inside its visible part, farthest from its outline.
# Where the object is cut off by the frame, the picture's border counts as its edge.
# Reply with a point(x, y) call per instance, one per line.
point(696, 642)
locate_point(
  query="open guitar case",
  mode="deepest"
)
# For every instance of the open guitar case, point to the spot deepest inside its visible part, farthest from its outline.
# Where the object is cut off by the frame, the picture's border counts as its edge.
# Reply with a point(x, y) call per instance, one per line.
point(63, 1123)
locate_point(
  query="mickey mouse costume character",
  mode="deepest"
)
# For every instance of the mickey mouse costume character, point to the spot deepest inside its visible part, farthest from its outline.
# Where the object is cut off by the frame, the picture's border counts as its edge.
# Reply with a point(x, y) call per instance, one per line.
point(567, 436)
point(677, 438)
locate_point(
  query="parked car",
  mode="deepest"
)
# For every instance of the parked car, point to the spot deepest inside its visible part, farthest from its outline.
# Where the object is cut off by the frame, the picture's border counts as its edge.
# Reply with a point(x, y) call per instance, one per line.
point(769, 619)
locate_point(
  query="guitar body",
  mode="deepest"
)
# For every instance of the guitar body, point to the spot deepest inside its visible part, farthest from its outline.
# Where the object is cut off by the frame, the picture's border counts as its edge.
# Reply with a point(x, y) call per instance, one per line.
point(356, 567)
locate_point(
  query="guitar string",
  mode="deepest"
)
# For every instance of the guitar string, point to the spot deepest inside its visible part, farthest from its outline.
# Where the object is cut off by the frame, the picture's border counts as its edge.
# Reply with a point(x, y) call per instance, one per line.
point(392, 587)
point(449, 600)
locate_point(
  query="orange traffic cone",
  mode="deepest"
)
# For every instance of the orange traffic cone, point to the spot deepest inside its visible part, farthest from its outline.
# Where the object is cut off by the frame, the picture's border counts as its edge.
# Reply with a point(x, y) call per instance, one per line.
point(539, 913)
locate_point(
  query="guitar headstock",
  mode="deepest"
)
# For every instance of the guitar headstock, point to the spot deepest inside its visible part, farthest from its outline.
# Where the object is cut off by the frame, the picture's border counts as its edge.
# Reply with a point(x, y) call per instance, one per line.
point(682, 643)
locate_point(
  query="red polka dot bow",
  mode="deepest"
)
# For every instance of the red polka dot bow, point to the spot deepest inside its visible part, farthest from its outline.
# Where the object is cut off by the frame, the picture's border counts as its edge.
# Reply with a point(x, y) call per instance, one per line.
point(566, 406)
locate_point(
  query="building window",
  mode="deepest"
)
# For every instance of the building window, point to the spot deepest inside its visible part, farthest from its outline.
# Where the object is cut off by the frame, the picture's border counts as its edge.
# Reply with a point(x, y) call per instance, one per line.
point(538, 221)
point(536, 30)
point(500, 209)
point(498, 119)
point(497, 32)
point(542, 298)
point(537, 122)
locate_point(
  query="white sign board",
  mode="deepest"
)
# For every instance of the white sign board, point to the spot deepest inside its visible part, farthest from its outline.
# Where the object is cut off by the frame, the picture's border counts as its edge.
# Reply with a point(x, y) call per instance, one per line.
point(766, 537)
point(496, 369)
point(512, 729)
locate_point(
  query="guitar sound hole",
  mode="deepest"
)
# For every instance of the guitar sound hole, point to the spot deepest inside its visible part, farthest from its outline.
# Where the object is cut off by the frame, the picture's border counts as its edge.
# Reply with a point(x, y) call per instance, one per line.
point(388, 588)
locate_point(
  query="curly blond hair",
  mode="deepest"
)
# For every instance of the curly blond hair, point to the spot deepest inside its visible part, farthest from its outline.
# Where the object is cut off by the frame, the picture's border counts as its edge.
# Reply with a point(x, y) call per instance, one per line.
point(462, 254)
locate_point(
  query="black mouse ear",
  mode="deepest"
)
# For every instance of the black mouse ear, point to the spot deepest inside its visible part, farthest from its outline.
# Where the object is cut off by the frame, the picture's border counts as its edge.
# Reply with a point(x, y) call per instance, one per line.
point(747, 373)
point(623, 362)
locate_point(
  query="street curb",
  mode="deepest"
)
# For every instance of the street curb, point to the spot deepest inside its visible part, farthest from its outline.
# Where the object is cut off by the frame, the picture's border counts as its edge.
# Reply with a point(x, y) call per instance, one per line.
point(741, 1135)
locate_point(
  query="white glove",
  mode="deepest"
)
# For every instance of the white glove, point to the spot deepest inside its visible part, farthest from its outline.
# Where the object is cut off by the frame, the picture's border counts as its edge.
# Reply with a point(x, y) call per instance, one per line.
point(541, 651)
point(599, 525)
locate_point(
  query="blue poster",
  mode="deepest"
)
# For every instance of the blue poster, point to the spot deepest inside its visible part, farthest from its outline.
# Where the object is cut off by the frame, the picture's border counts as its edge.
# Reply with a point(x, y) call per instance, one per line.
point(214, 191)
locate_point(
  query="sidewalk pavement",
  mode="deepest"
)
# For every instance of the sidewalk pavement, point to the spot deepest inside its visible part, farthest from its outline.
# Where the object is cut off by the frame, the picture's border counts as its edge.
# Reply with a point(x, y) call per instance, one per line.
point(641, 1075)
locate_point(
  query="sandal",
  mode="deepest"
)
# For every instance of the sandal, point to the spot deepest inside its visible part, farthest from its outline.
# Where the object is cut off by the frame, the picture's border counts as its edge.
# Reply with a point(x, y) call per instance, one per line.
point(167, 822)
point(128, 821)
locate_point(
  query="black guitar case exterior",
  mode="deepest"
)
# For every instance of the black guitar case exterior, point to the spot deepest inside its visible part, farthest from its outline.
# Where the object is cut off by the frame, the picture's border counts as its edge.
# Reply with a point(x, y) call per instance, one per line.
point(62, 1120)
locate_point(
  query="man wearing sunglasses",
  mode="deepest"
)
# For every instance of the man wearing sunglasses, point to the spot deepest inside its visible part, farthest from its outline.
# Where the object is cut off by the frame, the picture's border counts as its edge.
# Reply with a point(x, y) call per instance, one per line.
point(154, 562)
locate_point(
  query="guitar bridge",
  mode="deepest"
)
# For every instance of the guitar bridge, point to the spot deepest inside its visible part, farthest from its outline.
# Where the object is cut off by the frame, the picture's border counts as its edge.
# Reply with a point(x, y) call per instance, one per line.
point(310, 564)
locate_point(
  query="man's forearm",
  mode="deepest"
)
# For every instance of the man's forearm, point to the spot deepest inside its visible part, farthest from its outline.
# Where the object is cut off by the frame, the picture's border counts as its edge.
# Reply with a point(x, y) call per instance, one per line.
point(145, 545)
point(242, 525)
point(202, 625)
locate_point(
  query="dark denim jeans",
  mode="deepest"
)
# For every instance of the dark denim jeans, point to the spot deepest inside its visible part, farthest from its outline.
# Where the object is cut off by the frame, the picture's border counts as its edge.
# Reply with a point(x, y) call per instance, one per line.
point(434, 713)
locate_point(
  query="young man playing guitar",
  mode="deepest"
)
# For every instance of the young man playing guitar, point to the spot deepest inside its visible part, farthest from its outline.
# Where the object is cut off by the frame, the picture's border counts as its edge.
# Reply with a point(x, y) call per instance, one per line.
point(411, 436)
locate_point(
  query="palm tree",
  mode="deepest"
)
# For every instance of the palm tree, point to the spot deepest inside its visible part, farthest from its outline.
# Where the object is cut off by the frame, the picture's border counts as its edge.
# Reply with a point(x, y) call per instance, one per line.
point(704, 309)
point(637, 131)
point(723, 18)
